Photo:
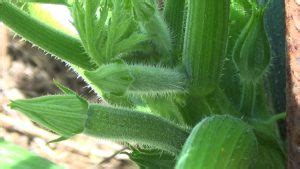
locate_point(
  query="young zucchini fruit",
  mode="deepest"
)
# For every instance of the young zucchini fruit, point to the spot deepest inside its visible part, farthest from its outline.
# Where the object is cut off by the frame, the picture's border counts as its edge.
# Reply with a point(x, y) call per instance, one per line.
point(219, 142)
point(119, 124)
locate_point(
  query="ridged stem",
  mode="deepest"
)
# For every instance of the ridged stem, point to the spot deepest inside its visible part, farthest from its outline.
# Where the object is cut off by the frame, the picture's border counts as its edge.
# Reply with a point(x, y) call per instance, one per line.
point(205, 43)
point(174, 16)
point(55, 42)
point(131, 126)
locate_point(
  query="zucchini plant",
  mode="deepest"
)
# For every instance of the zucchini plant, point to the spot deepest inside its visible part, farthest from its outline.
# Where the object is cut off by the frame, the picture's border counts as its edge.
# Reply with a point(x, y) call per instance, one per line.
point(183, 85)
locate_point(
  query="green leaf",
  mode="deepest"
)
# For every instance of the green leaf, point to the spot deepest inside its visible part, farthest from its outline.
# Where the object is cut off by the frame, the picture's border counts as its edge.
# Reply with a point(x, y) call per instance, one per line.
point(219, 142)
point(143, 10)
point(271, 153)
point(63, 88)
point(152, 159)
point(64, 114)
point(151, 21)
point(165, 107)
point(55, 42)
point(126, 125)
point(15, 157)
point(107, 31)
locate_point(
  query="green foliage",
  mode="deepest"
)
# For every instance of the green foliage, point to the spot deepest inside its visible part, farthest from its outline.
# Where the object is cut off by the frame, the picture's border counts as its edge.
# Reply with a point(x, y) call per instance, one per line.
point(57, 43)
point(12, 156)
point(152, 159)
point(161, 71)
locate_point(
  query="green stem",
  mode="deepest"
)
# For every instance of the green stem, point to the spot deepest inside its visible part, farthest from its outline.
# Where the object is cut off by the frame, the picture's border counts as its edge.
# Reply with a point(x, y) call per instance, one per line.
point(248, 99)
point(156, 81)
point(174, 15)
point(55, 42)
point(205, 43)
point(276, 117)
point(131, 126)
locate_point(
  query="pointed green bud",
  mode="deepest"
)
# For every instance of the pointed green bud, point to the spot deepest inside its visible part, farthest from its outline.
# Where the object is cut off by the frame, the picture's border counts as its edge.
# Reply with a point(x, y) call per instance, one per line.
point(143, 10)
point(251, 53)
point(63, 88)
point(112, 78)
point(119, 79)
point(63, 114)
point(147, 13)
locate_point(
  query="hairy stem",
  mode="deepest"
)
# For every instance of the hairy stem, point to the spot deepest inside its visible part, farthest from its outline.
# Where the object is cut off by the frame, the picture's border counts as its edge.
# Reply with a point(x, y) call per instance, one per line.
point(55, 42)
point(248, 98)
point(174, 15)
point(127, 125)
point(205, 43)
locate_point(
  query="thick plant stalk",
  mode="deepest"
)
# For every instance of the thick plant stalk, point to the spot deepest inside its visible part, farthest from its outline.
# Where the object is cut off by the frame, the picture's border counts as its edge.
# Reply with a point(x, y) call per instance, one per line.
point(205, 43)
point(174, 12)
point(131, 126)
point(204, 52)
point(59, 44)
